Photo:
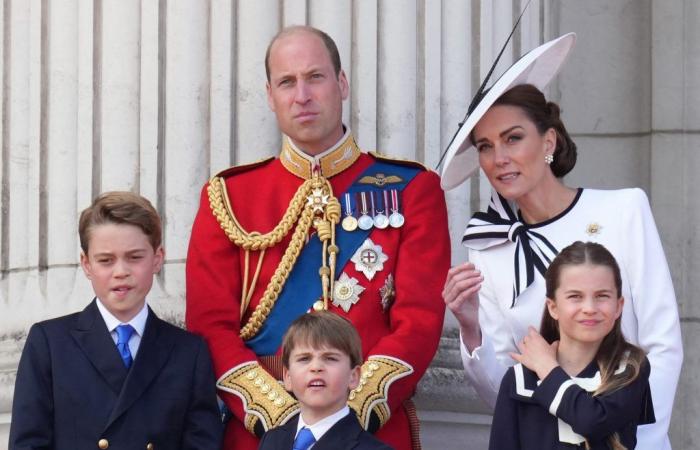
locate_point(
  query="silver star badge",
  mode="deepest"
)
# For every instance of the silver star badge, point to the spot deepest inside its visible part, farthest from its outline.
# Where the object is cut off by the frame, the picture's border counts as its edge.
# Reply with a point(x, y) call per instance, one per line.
point(369, 258)
point(346, 292)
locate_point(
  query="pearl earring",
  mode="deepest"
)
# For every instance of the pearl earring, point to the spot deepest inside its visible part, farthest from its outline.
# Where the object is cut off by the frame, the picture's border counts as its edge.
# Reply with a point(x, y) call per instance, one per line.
point(548, 158)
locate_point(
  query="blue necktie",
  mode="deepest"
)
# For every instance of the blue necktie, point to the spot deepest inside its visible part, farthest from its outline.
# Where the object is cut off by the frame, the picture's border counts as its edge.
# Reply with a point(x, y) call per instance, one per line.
point(124, 333)
point(304, 439)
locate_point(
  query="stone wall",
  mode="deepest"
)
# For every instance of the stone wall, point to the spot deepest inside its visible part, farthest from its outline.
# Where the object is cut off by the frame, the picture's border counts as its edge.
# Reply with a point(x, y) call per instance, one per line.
point(155, 96)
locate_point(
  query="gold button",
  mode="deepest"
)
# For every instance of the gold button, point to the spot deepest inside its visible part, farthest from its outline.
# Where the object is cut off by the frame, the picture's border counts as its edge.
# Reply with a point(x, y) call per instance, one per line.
point(103, 444)
point(319, 305)
point(149, 446)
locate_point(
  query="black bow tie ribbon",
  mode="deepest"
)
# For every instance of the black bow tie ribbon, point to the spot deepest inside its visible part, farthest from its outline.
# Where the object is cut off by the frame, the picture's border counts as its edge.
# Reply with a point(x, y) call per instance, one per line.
point(500, 225)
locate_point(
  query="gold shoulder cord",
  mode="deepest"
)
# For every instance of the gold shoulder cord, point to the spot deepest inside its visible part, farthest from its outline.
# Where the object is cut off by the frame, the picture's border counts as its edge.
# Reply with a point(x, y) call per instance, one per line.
point(312, 204)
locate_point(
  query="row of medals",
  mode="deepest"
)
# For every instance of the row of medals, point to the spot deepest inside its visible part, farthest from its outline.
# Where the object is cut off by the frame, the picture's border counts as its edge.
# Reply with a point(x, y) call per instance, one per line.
point(372, 217)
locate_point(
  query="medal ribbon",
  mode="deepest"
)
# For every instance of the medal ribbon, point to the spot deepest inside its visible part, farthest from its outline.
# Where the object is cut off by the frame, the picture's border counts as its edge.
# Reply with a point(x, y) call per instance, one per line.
point(348, 205)
point(363, 199)
point(385, 202)
point(394, 201)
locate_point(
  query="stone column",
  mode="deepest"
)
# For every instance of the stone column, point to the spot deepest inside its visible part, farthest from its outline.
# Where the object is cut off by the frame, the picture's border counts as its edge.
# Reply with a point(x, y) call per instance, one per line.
point(675, 140)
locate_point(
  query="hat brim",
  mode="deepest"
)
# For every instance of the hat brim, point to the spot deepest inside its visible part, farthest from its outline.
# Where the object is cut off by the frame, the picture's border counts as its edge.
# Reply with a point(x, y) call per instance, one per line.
point(538, 67)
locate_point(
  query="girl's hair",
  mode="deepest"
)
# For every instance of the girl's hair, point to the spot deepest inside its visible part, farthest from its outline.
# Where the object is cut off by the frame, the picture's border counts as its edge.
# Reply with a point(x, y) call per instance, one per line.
point(614, 350)
point(544, 115)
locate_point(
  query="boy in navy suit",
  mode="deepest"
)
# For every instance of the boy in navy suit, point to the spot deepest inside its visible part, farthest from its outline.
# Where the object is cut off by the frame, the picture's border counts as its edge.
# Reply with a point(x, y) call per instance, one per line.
point(321, 354)
point(114, 375)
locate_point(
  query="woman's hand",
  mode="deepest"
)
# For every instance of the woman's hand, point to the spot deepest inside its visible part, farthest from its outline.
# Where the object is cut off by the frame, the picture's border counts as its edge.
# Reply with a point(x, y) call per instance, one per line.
point(536, 354)
point(461, 295)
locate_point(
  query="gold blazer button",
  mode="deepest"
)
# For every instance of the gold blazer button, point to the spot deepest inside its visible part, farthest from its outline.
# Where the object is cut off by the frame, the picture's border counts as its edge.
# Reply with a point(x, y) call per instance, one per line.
point(149, 446)
point(103, 444)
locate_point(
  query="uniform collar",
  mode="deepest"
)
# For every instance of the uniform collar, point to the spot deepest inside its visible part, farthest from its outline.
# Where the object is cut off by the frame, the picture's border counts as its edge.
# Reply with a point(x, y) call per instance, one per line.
point(330, 162)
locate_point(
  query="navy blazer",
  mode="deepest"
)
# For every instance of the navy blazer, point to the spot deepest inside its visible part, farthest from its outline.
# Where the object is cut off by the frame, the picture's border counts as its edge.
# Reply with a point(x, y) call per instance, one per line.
point(522, 419)
point(346, 434)
point(73, 391)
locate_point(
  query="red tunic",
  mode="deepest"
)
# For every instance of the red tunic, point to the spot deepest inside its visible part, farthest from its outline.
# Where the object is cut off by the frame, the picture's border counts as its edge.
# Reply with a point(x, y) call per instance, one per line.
point(418, 258)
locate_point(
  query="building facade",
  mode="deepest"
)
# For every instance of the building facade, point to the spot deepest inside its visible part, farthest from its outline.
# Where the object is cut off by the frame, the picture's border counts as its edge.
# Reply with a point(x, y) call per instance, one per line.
point(154, 96)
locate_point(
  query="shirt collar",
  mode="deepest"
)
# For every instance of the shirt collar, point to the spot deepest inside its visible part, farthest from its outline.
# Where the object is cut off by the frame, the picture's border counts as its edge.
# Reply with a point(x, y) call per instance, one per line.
point(138, 322)
point(322, 426)
point(329, 162)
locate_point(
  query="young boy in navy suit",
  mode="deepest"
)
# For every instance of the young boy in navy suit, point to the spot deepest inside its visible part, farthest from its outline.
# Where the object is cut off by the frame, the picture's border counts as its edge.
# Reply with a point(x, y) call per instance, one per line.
point(321, 354)
point(114, 375)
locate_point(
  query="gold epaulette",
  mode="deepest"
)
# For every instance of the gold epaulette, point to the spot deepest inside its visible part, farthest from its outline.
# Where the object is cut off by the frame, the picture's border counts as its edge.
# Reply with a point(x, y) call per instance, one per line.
point(243, 167)
point(378, 373)
point(264, 398)
point(396, 160)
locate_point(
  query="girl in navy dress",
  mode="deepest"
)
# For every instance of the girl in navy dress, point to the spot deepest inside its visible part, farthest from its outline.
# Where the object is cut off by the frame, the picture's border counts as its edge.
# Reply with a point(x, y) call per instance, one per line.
point(578, 384)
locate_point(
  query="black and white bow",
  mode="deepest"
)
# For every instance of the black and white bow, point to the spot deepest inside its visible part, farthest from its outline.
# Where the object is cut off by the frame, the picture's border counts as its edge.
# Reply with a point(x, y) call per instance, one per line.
point(498, 225)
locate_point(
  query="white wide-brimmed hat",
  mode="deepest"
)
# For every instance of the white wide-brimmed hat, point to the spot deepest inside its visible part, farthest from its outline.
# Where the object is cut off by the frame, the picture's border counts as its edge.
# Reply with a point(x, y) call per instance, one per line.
point(537, 67)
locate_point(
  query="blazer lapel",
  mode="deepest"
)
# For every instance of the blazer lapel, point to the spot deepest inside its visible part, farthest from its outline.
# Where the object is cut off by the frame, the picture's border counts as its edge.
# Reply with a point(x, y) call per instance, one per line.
point(94, 340)
point(288, 436)
point(154, 350)
point(341, 436)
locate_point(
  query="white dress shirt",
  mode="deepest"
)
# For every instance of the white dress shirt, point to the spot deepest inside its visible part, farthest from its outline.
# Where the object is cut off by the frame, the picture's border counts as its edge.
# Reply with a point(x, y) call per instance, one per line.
point(322, 426)
point(138, 323)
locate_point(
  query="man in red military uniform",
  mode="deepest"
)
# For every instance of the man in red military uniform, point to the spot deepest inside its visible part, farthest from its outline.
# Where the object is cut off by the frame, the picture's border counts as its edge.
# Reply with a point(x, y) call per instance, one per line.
point(324, 226)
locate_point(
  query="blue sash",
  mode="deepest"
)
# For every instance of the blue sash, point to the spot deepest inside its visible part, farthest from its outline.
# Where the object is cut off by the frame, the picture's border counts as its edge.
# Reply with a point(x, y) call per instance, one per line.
point(303, 286)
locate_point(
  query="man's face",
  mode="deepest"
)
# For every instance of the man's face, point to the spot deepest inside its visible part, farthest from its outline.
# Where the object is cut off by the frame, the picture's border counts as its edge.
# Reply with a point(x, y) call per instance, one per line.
point(304, 92)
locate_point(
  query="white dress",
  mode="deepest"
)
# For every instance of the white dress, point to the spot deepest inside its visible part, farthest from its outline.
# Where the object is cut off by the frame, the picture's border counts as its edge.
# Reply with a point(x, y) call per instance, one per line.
point(621, 220)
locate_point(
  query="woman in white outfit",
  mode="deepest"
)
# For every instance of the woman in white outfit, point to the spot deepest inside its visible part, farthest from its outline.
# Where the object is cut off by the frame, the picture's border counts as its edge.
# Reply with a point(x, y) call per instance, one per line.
point(521, 144)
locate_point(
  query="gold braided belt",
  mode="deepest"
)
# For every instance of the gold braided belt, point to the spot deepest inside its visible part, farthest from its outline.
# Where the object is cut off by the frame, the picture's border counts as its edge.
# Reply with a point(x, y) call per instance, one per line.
point(312, 205)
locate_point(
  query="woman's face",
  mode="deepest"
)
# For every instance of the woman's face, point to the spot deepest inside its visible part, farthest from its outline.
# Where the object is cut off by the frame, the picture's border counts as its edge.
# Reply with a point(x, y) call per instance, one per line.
point(511, 151)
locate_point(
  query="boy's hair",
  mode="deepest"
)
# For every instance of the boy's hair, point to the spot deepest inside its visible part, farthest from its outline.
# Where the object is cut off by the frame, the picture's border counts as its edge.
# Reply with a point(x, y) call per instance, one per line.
point(121, 208)
point(614, 349)
point(323, 329)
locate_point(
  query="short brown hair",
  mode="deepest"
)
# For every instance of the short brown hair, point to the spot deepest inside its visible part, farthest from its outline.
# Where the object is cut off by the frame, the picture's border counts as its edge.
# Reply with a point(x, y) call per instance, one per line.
point(327, 42)
point(323, 329)
point(120, 207)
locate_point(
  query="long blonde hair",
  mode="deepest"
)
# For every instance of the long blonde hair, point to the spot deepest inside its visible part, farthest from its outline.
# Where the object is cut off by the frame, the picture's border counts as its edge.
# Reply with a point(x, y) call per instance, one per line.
point(614, 350)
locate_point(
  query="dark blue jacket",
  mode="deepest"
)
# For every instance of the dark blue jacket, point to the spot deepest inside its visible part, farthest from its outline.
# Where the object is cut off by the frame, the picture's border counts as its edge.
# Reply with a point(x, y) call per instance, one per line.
point(528, 411)
point(346, 434)
point(73, 391)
